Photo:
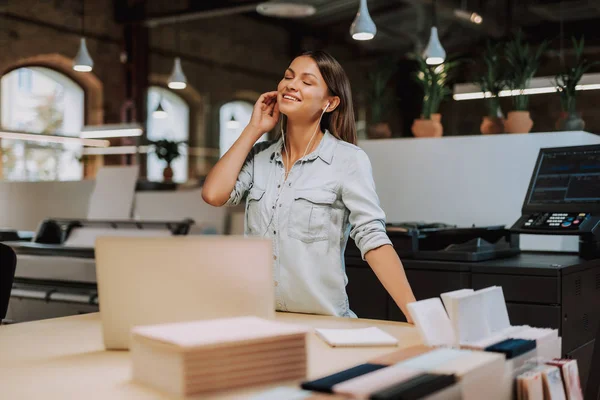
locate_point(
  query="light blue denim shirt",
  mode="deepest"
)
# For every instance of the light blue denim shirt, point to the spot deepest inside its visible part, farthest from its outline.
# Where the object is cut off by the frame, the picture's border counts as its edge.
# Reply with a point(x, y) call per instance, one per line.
point(328, 196)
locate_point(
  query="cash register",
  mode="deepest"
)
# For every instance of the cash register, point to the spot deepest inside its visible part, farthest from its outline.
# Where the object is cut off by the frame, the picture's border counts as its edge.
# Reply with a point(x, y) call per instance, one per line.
point(563, 197)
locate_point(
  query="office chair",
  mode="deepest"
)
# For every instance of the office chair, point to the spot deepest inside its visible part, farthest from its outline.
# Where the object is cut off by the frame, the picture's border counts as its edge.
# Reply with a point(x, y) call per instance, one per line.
point(8, 265)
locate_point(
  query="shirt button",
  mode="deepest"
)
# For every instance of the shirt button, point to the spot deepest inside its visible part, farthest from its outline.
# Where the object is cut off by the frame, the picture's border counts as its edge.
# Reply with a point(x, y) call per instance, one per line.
point(276, 284)
point(274, 257)
point(274, 232)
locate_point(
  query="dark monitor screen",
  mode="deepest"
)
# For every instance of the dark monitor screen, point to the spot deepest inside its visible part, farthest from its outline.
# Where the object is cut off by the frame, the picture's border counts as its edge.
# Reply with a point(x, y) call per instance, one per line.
point(565, 179)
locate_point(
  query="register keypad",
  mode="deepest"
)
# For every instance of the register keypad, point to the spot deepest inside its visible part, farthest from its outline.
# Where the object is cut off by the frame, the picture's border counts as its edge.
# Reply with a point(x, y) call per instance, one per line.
point(570, 221)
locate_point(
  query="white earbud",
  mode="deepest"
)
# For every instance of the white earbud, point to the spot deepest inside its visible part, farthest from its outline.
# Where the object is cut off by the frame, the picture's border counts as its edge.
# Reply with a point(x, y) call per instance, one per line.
point(325, 108)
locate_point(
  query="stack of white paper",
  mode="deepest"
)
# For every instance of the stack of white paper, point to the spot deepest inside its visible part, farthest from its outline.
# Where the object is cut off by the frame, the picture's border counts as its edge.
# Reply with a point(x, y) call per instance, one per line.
point(433, 323)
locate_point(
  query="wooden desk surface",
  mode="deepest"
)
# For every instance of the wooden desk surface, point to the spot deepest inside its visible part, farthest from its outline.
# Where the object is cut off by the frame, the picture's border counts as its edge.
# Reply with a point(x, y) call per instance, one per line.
point(64, 358)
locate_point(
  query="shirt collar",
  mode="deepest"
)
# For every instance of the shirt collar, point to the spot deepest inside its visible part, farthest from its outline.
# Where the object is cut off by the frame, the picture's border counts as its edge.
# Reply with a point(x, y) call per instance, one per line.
point(324, 151)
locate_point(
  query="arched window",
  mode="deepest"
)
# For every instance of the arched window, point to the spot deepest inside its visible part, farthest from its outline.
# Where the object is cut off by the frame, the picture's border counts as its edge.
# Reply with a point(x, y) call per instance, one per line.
point(233, 118)
point(41, 100)
point(174, 125)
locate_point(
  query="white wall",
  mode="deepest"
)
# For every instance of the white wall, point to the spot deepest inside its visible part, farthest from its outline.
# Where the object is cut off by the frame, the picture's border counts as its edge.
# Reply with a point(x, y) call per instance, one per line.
point(462, 180)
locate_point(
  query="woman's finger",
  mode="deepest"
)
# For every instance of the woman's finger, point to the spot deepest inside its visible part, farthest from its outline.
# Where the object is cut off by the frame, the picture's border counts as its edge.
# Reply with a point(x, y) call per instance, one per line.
point(275, 112)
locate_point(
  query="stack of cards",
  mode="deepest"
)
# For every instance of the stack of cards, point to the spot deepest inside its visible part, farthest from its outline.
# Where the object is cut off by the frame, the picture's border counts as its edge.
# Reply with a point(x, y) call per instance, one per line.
point(480, 319)
point(195, 357)
point(556, 379)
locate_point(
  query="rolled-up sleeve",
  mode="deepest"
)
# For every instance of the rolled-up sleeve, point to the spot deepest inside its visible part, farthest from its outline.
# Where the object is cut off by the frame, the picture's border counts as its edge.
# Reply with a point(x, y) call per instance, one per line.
point(366, 218)
point(244, 180)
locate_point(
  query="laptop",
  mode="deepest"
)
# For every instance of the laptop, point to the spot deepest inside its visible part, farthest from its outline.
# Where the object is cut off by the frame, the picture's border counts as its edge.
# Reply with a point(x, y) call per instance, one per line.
point(153, 280)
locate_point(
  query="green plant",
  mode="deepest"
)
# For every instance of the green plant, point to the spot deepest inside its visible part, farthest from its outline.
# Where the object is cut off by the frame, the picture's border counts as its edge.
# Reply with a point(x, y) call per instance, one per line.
point(434, 81)
point(566, 82)
point(493, 80)
point(524, 63)
point(166, 149)
point(379, 95)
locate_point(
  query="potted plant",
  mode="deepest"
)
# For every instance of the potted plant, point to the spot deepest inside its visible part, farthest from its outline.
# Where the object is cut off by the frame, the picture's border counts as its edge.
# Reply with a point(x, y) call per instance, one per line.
point(380, 97)
point(566, 82)
point(524, 63)
point(492, 82)
point(434, 81)
point(167, 150)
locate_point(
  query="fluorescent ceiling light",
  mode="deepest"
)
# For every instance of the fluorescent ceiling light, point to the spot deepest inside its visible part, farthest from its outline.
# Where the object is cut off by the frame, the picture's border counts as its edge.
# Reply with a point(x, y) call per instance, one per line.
point(285, 10)
point(34, 137)
point(110, 150)
point(540, 85)
point(194, 151)
point(111, 130)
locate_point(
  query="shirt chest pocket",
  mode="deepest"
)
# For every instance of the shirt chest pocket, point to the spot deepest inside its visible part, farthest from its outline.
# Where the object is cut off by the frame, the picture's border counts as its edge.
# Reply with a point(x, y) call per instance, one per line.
point(310, 214)
point(254, 215)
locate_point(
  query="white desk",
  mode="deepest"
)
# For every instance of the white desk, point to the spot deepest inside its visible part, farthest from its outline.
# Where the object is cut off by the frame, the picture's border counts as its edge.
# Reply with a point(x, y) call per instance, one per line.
point(64, 358)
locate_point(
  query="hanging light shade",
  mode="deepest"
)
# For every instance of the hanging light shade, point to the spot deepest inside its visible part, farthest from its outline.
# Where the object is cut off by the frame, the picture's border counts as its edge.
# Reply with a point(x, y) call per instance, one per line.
point(83, 61)
point(363, 27)
point(233, 123)
point(434, 53)
point(160, 112)
point(177, 80)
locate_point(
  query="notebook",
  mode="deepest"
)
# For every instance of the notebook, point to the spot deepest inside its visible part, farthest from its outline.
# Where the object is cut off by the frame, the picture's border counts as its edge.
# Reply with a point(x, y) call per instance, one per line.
point(365, 337)
point(363, 386)
point(327, 383)
point(416, 388)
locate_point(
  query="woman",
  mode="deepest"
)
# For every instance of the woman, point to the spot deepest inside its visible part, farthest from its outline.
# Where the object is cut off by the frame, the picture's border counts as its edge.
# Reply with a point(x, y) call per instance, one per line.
point(309, 190)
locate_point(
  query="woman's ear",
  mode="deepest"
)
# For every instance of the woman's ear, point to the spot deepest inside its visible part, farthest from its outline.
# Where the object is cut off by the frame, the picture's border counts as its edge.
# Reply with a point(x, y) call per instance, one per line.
point(334, 102)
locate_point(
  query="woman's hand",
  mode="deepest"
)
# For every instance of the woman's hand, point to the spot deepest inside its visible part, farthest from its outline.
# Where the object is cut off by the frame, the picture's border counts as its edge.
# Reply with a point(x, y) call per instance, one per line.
point(266, 113)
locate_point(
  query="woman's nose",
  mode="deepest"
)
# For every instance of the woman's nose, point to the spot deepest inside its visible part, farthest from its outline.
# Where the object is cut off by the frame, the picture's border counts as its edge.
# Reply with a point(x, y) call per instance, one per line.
point(291, 85)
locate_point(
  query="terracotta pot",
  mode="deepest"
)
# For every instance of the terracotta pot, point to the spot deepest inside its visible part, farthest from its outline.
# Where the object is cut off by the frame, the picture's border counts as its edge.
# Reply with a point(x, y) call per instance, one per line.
point(380, 130)
point(518, 122)
point(428, 127)
point(168, 173)
point(491, 126)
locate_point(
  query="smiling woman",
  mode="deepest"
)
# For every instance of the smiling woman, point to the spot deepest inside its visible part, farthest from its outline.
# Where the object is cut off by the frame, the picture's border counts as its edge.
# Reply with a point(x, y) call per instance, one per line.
point(309, 190)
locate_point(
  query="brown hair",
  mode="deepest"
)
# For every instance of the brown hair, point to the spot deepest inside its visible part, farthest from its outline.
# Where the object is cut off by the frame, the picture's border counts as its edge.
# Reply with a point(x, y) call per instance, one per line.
point(339, 122)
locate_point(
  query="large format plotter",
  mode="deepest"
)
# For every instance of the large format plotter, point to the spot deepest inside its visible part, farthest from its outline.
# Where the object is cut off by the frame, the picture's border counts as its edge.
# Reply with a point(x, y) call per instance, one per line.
point(56, 273)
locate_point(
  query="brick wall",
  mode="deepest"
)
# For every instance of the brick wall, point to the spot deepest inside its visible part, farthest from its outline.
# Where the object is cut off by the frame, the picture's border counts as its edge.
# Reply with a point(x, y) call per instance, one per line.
point(224, 58)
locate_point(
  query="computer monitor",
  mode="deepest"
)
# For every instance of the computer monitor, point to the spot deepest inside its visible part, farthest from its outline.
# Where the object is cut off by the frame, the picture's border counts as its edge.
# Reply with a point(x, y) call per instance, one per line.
point(566, 180)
